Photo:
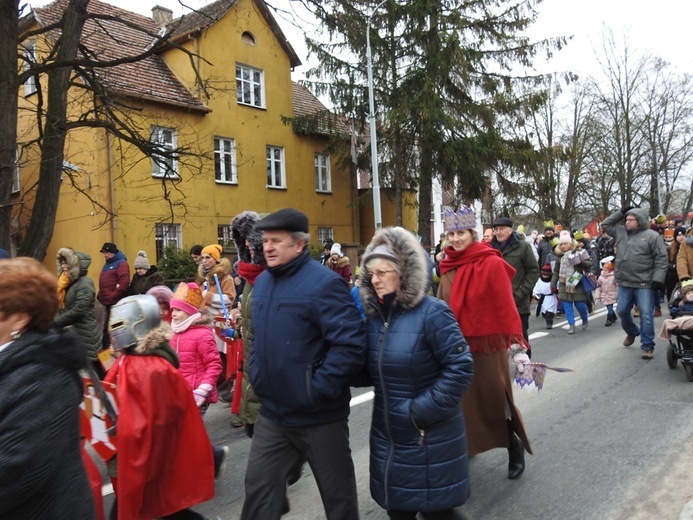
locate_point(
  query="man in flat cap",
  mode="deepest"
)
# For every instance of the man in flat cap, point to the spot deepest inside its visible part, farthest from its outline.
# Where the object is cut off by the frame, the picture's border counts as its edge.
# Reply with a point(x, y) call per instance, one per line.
point(305, 350)
point(519, 254)
point(114, 281)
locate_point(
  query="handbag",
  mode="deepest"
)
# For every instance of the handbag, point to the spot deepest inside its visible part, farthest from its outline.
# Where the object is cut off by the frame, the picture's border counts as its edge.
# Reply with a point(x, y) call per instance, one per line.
point(589, 282)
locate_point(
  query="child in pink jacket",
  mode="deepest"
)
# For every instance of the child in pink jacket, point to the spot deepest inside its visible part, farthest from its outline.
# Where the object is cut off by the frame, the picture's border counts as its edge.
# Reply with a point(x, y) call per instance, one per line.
point(194, 342)
point(607, 291)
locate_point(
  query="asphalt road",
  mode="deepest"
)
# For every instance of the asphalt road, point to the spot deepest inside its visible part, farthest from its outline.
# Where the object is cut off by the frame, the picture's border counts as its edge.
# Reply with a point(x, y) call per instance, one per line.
point(612, 440)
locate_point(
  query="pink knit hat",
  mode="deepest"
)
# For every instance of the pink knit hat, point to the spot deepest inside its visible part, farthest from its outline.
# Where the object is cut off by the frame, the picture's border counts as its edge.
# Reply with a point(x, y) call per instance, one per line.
point(187, 298)
point(565, 238)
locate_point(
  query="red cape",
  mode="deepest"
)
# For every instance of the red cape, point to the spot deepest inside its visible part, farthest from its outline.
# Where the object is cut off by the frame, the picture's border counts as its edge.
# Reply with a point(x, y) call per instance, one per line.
point(481, 297)
point(164, 459)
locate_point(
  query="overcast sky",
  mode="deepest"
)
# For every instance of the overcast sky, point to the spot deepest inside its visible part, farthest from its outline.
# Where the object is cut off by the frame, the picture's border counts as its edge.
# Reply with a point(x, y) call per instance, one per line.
point(662, 27)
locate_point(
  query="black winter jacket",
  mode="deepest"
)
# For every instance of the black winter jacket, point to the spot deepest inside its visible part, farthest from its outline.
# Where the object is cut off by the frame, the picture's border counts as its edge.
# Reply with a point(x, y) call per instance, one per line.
point(41, 470)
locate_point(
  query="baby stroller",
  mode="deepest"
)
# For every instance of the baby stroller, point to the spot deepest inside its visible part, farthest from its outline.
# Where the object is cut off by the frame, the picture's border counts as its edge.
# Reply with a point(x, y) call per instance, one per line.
point(681, 350)
point(679, 332)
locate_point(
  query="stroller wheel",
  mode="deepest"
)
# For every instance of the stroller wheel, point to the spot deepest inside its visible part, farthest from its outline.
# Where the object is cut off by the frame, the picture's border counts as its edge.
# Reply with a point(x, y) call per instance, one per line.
point(689, 372)
point(671, 359)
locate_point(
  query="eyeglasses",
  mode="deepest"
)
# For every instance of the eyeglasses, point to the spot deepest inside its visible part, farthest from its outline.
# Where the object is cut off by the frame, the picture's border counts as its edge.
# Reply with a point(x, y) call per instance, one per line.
point(379, 273)
point(631, 219)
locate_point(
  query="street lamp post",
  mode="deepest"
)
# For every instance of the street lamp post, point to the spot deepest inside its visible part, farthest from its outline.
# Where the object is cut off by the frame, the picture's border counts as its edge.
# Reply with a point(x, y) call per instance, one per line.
point(371, 105)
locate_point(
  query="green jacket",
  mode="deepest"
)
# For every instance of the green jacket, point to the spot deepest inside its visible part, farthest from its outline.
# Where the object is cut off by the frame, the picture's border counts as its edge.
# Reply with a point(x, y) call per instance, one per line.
point(518, 253)
point(80, 300)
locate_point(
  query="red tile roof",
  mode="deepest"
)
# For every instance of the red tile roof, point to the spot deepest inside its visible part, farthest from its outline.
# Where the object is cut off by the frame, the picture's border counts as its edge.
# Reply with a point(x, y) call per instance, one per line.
point(307, 106)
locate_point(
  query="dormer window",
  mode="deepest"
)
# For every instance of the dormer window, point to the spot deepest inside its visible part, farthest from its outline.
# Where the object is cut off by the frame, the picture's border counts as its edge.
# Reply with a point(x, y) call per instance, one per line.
point(248, 38)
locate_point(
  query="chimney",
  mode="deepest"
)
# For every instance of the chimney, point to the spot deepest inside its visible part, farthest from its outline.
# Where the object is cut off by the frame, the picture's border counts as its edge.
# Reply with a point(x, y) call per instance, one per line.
point(162, 15)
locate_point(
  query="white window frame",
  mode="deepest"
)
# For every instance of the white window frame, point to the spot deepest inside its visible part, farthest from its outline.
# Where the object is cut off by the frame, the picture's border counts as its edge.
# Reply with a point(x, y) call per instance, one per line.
point(224, 160)
point(164, 167)
point(323, 177)
point(28, 58)
point(250, 86)
point(16, 187)
point(275, 166)
point(166, 235)
point(324, 233)
point(224, 234)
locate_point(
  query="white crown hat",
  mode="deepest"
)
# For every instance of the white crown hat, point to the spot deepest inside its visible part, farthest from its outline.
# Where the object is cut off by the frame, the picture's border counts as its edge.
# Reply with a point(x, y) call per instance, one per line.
point(463, 218)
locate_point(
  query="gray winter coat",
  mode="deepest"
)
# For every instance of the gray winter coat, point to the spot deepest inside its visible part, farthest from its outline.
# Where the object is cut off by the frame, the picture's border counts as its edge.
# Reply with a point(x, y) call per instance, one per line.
point(641, 256)
point(80, 300)
point(420, 366)
point(518, 253)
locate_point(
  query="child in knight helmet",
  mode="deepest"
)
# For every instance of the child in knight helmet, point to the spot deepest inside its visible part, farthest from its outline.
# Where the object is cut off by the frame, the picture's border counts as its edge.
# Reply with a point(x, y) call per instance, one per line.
point(607, 291)
point(547, 302)
point(194, 342)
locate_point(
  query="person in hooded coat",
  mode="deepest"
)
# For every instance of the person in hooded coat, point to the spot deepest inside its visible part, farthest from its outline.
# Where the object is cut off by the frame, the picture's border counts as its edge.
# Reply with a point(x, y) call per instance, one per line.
point(77, 301)
point(420, 366)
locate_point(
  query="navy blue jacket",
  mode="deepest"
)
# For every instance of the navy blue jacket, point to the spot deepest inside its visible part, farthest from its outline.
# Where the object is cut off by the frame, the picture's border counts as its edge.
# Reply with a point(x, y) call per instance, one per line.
point(420, 366)
point(308, 343)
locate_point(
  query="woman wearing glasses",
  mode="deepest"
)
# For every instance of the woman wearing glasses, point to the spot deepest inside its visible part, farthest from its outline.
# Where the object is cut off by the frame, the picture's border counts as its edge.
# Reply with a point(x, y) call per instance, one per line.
point(471, 275)
point(419, 365)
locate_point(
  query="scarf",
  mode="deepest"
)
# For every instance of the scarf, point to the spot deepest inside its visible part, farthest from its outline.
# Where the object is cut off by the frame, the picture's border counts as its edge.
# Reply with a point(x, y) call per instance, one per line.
point(481, 298)
point(249, 271)
point(185, 324)
point(63, 284)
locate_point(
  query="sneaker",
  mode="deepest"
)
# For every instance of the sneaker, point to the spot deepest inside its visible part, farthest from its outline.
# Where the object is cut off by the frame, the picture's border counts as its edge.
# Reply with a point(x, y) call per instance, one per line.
point(647, 354)
point(628, 341)
point(220, 457)
point(571, 329)
point(657, 312)
point(236, 422)
point(585, 323)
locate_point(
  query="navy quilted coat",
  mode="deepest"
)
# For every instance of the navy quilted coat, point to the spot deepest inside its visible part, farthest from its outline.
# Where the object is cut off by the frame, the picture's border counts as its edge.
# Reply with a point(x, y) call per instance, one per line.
point(420, 365)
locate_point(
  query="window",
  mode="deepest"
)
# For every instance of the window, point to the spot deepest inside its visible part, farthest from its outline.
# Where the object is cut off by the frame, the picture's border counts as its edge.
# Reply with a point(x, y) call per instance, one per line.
point(275, 167)
point(248, 38)
point(167, 235)
point(15, 175)
point(164, 140)
point(324, 233)
point(322, 173)
point(29, 58)
point(249, 86)
point(225, 160)
point(224, 236)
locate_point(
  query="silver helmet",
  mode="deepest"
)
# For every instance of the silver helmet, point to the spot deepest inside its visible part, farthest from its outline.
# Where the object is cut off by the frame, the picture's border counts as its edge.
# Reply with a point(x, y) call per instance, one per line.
point(131, 319)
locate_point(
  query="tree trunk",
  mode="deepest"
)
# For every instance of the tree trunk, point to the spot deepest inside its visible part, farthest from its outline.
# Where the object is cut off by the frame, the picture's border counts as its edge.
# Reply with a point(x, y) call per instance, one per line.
point(40, 229)
point(9, 20)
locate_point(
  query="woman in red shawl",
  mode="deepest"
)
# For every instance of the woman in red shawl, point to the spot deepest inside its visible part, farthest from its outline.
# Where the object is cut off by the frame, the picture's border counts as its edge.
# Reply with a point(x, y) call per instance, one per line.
point(472, 275)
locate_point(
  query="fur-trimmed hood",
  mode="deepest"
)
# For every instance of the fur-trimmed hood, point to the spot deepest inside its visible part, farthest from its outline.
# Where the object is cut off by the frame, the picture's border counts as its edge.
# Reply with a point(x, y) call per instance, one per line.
point(342, 262)
point(222, 269)
point(242, 229)
point(413, 266)
point(157, 342)
point(78, 262)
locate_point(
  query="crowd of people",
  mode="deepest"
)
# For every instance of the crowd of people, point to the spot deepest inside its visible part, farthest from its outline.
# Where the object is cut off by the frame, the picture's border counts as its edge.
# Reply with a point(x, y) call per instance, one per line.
point(438, 361)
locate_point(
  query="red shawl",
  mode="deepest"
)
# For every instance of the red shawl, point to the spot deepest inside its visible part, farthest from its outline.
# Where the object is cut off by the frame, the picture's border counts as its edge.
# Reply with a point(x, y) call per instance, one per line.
point(164, 458)
point(250, 271)
point(481, 297)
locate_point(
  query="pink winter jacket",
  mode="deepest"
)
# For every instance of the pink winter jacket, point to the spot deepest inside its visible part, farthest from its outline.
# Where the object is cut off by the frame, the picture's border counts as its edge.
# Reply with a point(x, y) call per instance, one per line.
point(199, 358)
point(607, 291)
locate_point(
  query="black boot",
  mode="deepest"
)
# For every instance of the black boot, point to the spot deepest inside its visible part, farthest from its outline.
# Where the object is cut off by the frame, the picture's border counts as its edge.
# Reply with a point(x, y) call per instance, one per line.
point(516, 455)
point(549, 319)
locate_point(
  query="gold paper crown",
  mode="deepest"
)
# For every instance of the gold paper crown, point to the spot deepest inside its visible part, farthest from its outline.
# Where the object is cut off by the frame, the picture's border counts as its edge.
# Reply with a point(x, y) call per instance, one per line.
point(521, 229)
point(548, 224)
point(686, 286)
point(463, 218)
point(578, 235)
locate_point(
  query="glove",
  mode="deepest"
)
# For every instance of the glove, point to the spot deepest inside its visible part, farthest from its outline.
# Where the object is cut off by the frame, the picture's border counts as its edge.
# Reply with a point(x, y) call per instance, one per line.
point(626, 209)
point(520, 359)
point(200, 394)
point(658, 286)
point(554, 290)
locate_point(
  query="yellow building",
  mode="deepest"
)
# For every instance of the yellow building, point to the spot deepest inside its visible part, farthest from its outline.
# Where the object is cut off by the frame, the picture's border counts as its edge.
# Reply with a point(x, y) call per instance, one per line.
point(226, 113)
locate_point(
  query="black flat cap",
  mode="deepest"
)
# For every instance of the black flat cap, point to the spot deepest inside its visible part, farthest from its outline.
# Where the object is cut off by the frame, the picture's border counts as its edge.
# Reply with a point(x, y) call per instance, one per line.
point(287, 219)
point(503, 221)
point(109, 247)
